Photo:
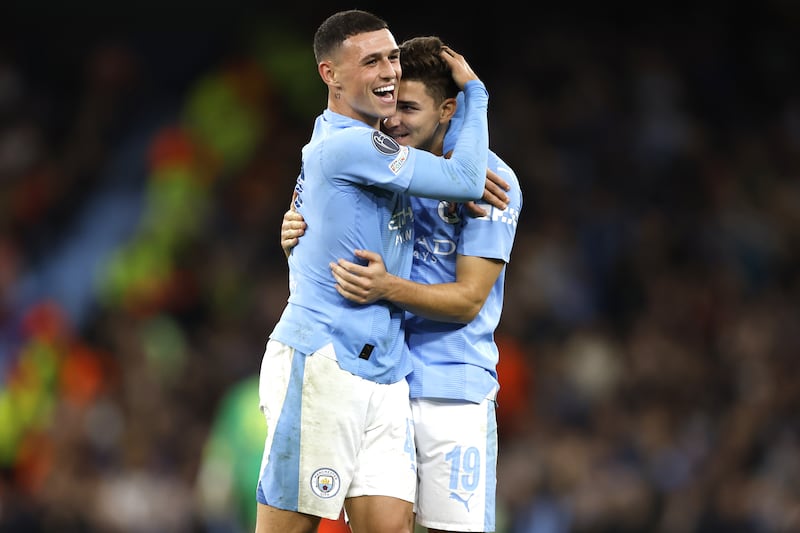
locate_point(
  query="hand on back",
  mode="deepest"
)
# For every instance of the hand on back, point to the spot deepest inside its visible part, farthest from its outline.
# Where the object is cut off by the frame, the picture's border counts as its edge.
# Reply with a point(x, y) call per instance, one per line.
point(292, 228)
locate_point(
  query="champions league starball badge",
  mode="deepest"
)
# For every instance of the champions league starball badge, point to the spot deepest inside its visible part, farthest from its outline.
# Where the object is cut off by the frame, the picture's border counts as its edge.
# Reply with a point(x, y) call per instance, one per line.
point(325, 483)
point(384, 144)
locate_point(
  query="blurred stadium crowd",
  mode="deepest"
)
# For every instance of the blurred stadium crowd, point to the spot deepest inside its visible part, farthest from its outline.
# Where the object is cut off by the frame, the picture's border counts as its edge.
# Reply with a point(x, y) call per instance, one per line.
point(650, 341)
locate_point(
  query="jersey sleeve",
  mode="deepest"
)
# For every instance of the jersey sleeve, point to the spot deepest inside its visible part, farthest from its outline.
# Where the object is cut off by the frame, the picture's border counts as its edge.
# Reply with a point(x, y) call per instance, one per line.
point(367, 157)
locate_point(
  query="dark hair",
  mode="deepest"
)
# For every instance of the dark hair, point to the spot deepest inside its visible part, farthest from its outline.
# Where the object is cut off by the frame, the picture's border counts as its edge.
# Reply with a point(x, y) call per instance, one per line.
point(421, 61)
point(339, 26)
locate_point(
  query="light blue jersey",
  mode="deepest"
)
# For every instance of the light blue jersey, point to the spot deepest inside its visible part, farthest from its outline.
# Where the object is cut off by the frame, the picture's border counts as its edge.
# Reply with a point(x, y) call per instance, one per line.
point(354, 193)
point(458, 361)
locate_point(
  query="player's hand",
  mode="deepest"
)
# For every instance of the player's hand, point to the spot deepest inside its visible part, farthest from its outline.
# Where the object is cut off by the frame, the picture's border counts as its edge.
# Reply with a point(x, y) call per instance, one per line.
point(363, 284)
point(459, 68)
point(292, 228)
point(494, 190)
point(494, 193)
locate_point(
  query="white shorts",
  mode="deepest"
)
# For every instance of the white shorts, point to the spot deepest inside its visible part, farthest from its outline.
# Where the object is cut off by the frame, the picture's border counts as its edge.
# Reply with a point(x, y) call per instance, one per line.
point(331, 435)
point(456, 464)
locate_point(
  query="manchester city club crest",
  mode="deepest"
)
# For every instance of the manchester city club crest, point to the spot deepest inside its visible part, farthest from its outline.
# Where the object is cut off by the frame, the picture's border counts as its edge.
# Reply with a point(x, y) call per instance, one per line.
point(325, 482)
point(447, 212)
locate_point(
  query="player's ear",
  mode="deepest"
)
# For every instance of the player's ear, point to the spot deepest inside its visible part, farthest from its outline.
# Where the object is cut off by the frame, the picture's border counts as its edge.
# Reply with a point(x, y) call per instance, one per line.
point(447, 109)
point(327, 73)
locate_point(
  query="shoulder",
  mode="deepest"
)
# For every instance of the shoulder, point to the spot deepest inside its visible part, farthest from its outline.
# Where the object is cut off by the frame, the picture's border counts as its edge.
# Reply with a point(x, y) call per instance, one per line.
point(361, 143)
point(364, 138)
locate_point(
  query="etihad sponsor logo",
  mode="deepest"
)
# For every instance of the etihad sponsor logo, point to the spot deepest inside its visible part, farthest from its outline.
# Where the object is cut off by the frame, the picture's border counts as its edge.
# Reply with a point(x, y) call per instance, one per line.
point(401, 218)
point(401, 224)
point(507, 216)
point(427, 248)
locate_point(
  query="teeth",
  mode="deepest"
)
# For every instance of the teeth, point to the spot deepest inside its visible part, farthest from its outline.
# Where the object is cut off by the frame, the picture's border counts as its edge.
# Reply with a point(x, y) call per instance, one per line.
point(385, 89)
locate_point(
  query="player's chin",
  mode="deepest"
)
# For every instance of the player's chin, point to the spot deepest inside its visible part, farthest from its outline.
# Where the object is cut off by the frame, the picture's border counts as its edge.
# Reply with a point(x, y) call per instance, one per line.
point(403, 140)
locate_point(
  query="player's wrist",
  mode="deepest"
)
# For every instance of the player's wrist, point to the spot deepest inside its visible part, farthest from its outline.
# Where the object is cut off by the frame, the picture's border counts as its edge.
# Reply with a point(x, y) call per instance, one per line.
point(393, 288)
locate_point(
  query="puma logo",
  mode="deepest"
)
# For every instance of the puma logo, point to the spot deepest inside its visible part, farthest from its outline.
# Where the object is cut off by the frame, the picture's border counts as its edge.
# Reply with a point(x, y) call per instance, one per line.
point(456, 497)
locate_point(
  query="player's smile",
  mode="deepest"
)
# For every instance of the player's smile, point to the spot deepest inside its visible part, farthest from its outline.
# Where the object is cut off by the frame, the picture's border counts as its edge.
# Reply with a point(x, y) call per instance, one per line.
point(385, 93)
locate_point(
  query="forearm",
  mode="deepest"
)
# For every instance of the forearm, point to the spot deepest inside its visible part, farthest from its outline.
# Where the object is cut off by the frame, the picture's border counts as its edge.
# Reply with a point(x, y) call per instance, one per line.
point(443, 302)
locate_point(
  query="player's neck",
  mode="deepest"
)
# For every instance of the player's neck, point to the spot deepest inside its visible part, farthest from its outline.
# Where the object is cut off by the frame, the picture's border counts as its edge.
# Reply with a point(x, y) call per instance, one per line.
point(437, 142)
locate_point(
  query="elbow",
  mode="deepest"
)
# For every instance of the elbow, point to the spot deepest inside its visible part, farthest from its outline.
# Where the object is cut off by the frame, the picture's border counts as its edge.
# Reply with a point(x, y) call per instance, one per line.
point(470, 304)
point(469, 313)
point(461, 314)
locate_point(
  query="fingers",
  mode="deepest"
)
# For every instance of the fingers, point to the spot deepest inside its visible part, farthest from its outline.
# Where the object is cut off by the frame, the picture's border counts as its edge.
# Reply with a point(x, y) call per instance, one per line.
point(495, 196)
point(349, 273)
point(494, 191)
point(292, 233)
point(451, 55)
point(475, 210)
point(347, 284)
point(348, 268)
point(494, 200)
point(460, 69)
point(292, 227)
point(337, 274)
point(368, 255)
point(292, 216)
point(495, 178)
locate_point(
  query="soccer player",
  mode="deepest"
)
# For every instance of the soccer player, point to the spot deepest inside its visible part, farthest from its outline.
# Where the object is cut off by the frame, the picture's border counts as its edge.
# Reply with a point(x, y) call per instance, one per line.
point(332, 383)
point(455, 295)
